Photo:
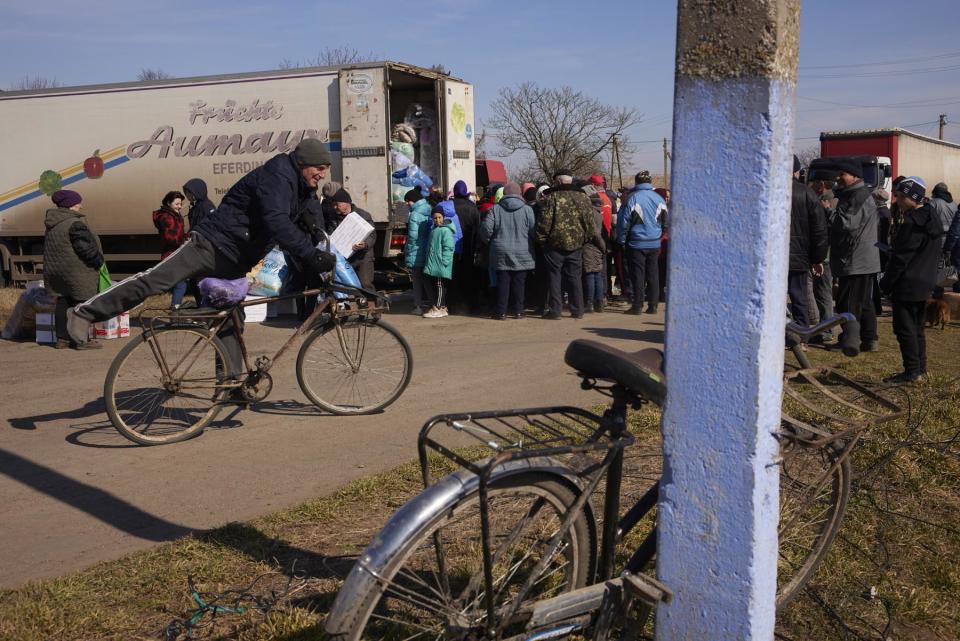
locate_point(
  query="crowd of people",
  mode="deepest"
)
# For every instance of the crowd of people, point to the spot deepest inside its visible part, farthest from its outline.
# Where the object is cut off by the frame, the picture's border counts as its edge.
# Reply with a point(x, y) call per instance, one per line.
point(538, 247)
point(574, 243)
point(851, 246)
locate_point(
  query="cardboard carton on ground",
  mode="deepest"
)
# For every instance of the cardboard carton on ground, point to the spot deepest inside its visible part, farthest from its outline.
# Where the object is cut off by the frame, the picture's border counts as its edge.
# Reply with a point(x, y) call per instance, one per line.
point(46, 331)
point(116, 327)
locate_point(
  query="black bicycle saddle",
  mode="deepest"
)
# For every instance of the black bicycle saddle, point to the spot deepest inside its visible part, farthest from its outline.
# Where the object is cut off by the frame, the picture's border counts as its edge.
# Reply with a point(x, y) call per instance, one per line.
point(640, 372)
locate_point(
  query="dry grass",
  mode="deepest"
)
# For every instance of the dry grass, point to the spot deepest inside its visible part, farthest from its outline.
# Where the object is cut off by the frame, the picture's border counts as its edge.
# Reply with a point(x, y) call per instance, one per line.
point(8, 299)
point(900, 537)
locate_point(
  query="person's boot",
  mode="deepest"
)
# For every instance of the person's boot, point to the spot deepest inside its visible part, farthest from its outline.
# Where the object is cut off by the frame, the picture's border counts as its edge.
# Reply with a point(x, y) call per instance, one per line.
point(634, 311)
point(651, 309)
point(869, 346)
point(598, 306)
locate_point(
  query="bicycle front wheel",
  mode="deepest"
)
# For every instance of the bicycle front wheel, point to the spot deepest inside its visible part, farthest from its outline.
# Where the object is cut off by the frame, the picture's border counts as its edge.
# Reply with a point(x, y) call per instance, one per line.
point(163, 386)
point(354, 367)
point(814, 487)
point(434, 586)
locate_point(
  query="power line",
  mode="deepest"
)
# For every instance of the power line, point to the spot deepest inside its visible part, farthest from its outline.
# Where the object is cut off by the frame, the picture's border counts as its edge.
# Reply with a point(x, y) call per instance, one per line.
point(950, 54)
point(876, 74)
point(926, 102)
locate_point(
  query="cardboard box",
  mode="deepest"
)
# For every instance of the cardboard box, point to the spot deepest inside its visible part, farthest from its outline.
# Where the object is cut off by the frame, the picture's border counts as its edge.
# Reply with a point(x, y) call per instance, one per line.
point(255, 313)
point(46, 330)
point(116, 327)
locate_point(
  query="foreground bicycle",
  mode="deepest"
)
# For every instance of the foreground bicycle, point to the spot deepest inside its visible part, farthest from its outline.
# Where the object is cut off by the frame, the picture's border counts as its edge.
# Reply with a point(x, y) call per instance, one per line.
point(169, 383)
point(513, 544)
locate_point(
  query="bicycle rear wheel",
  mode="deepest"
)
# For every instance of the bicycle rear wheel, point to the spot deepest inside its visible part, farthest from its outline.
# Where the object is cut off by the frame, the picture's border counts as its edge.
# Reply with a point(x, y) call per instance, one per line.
point(356, 367)
point(433, 588)
point(814, 489)
point(154, 404)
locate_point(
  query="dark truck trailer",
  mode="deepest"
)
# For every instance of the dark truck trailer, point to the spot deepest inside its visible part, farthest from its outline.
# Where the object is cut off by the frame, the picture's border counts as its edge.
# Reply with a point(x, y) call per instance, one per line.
point(123, 146)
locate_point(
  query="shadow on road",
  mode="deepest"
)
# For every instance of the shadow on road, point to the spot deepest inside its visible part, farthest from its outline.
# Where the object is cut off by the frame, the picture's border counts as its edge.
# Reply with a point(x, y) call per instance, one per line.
point(97, 503)
point(93, 408)
point(648, 335)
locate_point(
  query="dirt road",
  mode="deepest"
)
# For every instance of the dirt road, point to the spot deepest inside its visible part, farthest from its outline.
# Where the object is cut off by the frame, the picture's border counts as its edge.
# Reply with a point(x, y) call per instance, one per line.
point(74, 492)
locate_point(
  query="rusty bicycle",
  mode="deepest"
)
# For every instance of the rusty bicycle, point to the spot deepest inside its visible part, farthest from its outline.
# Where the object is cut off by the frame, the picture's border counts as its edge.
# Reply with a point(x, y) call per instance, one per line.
point(527, 539)
point(170, 382)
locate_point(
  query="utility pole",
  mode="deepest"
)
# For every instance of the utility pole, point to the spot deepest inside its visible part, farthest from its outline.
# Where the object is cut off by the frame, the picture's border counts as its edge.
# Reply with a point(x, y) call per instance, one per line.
point(615, 158)
point(943, 121)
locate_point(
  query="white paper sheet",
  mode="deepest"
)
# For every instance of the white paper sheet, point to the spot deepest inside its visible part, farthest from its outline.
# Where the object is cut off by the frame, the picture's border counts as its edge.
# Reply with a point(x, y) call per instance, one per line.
point(351, 230)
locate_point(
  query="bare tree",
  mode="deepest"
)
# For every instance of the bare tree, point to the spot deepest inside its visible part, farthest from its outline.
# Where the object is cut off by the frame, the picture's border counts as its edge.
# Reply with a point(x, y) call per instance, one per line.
point(808, 153)
point(153, 74)
point(330, 57)
point(480, 145)
point(28, 83)
point(562, 128)
point(528, 171)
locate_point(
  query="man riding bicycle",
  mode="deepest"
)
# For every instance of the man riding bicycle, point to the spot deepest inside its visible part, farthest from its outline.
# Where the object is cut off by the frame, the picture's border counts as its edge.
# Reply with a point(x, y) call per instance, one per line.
point(260, 210)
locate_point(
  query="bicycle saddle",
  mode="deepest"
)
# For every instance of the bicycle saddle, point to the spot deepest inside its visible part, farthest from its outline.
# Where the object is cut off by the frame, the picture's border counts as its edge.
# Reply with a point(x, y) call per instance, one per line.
point(640, 372)
point(221, 294)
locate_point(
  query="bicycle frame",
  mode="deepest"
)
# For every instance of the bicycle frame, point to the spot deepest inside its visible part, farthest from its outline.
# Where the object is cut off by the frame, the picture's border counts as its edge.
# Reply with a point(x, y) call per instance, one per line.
point(216, 320)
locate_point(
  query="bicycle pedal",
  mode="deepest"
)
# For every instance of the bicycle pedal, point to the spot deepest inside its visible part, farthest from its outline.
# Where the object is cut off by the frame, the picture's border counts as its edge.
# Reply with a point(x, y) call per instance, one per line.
point(646, 588)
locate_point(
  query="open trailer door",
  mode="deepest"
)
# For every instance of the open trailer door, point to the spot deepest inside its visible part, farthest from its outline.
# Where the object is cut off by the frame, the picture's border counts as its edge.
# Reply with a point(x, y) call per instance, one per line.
point(457, 99)
point(364, 132)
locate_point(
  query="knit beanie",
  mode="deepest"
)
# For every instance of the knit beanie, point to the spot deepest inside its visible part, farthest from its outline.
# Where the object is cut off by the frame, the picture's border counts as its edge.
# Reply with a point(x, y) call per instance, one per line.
point(66, 198)
point(597, 180)
point(643, 177)
point(912, 187)
point(312, 153)
point(512, 189)
point(850, 166)
point(342, 196)
point(413, 195)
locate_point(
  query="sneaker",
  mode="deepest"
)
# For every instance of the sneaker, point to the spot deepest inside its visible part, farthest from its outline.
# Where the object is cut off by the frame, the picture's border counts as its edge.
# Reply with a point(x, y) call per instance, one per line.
point(444, 312)
point(78, 327)
point(519, 315)
point(870, 346)
point(433, 312)
point(499, 317)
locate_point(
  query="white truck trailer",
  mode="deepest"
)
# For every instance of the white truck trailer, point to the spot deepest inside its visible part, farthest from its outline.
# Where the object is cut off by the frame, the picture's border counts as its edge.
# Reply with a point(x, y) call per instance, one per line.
point(123, 146)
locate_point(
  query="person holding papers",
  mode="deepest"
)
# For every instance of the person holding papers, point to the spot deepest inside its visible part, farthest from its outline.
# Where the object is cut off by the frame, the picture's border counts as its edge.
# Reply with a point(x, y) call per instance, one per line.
point(362, 257)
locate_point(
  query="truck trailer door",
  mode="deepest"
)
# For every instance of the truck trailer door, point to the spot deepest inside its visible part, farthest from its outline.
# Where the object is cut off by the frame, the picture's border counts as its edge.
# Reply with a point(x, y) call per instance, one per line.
point(364, 133)
point(459, 149)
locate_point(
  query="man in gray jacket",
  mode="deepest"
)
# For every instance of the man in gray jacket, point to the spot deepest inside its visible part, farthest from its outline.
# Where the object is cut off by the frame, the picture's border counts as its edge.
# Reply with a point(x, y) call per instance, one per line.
point(943, 207)
point(854, 256)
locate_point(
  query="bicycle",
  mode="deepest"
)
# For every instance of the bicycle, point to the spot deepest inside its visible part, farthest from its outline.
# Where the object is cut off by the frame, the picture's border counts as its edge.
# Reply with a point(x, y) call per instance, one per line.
point(169, 383)
point(509, 545)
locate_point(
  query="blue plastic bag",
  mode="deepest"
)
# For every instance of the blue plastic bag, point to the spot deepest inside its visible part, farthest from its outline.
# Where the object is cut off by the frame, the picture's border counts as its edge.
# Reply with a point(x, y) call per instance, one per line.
point(343, 274)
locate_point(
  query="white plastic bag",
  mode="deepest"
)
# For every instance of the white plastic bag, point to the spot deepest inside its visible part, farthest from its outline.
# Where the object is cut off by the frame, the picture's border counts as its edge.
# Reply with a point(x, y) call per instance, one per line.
point(268, 280)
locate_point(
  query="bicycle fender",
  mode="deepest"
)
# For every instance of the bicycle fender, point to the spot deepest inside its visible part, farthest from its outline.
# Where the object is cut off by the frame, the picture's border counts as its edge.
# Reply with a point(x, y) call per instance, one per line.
point(420, 512)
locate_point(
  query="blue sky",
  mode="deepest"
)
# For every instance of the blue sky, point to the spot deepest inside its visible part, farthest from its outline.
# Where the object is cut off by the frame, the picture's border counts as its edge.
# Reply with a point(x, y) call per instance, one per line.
point(621, 52)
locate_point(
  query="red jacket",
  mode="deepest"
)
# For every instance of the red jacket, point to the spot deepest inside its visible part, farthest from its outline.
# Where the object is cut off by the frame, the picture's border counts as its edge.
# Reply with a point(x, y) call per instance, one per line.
point(170, 225)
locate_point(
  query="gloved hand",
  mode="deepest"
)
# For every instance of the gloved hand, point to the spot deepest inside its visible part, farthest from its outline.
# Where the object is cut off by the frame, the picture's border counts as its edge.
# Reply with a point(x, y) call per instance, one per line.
point(323, 261)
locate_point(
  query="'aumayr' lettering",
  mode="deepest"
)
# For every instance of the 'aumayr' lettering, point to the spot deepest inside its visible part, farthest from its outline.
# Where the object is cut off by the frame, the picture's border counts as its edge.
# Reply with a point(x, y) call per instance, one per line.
point(220, 144)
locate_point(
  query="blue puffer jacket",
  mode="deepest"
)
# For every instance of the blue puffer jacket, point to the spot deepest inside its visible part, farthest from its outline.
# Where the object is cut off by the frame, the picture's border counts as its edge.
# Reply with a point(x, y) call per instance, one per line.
point(418, 234)
point(509, 229)
point(261, 210)
point(640, 219)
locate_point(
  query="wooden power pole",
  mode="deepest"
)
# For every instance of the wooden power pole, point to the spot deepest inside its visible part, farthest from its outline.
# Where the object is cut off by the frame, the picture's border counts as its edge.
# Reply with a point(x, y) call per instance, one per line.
point(943, 121)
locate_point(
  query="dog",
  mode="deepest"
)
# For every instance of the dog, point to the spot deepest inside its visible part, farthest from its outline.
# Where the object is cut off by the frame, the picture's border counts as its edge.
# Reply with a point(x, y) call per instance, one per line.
point(937, 312)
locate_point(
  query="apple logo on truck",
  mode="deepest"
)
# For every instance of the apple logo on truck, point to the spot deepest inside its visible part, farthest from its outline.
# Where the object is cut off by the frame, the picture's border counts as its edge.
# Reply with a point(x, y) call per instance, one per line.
point(93, 166)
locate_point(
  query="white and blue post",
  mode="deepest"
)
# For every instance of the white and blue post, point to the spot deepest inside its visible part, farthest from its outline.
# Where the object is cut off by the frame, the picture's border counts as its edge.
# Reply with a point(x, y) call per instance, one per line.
point(730, 212)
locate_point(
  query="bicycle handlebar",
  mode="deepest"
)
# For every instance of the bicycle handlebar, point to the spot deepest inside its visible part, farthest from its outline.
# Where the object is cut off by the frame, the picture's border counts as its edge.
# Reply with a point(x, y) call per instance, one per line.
point(849, 339)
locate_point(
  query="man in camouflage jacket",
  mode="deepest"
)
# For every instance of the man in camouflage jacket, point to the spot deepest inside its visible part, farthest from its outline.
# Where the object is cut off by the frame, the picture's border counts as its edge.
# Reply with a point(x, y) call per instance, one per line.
point(565, 225)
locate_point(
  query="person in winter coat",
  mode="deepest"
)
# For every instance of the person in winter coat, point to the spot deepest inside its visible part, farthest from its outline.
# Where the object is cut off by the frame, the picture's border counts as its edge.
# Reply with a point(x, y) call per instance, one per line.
point(943, 206)
point(911, 275)
point(951, 246)
point(439, 265)
point(363, 253)
point(594, 256)
point(854, 256)
point(200, 206)
point(639, 230)
point(808, 244)
point(565, 225)
point(467, 282)
point(72, 259)
point(415, 251)
point(169, 222)
point(509, 231)
point(260, 210)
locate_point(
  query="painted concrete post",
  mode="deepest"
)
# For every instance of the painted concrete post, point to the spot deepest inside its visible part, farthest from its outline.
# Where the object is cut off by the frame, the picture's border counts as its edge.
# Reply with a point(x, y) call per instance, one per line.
point(733, 127)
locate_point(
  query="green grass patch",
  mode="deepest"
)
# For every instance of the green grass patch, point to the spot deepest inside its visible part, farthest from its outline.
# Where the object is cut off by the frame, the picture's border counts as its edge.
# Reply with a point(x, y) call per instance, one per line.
point(894, 572)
